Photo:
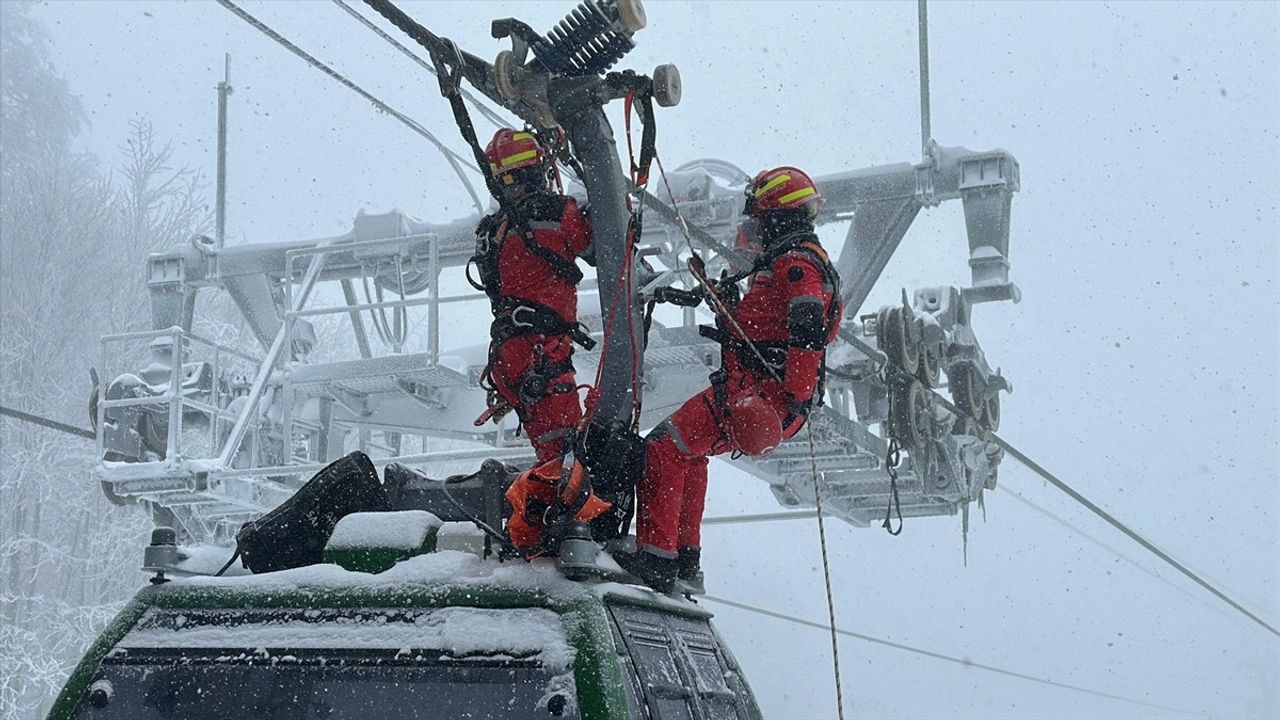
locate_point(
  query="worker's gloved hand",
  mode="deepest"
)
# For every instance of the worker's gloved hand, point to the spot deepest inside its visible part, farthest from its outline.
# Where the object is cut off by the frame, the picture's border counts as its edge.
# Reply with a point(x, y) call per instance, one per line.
point(797, 409)
point(676, 296)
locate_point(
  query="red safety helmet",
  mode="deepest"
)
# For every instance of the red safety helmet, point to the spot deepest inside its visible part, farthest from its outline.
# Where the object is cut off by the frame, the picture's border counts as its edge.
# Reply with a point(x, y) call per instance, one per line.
point(783, 188)
point(511, 150)
point(753, 425)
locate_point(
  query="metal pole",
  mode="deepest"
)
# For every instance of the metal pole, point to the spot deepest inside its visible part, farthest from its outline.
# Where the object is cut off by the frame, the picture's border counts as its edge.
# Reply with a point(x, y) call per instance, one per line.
point(220, 212)
point(433, 308)
point(926, 132)
point(578, 107)
point(173, 442)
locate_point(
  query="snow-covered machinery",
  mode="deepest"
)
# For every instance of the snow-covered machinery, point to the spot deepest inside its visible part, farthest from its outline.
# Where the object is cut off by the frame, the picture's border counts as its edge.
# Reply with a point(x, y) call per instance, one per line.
point(208, 436)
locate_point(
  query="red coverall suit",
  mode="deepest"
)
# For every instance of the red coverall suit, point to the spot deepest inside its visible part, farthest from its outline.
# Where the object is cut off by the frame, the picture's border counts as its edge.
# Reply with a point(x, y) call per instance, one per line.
point(536, 312)
point(671, 495)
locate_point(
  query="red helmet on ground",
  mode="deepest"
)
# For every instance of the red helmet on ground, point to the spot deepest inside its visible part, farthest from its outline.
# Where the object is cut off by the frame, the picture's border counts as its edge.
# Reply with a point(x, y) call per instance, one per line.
point(783, 188)
point(511, 150)
point(753, 425)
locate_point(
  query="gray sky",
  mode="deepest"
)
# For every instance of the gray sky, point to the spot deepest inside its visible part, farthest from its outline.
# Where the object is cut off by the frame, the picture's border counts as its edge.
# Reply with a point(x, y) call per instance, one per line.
point(1144, 355)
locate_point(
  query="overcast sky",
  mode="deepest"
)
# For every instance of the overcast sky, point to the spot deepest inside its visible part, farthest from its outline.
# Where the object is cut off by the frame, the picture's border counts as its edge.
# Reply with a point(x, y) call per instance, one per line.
point(1144, 355)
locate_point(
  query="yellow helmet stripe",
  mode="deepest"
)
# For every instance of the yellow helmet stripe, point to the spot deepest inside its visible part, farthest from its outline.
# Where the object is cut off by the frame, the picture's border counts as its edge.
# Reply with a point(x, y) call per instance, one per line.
point(772, 184)
point(797, 195)
point(522, 136)
point(519, 157)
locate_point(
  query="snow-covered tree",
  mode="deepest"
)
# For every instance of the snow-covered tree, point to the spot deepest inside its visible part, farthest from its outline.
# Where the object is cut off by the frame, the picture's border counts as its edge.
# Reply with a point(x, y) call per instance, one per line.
point(73, 239)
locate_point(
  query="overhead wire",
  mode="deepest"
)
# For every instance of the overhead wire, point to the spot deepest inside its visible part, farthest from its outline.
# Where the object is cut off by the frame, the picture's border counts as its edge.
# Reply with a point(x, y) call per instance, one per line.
point(46, 422)
point(1124, 528)
point(666, 213)
point(452, 157)
point(1093, 507)
point(946, 658)
point(1073, 528)
point(484, 110)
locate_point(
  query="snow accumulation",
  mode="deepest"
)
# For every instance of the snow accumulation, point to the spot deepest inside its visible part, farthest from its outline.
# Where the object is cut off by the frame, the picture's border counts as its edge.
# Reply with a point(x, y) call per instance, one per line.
point(443, 567)
point(402, 530)
point(455, 631)
point(206, 559)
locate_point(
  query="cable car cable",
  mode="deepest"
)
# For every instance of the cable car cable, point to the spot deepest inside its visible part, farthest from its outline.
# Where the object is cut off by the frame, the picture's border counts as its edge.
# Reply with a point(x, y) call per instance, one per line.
point(412, 124)
point(948, 658)
point(46, 422)
point(1122, 527)
point(1057, 482)
point(484, 110)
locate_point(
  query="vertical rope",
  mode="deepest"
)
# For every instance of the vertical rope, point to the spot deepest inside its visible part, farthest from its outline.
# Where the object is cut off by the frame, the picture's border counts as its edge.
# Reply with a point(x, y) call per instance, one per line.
point(826, 571)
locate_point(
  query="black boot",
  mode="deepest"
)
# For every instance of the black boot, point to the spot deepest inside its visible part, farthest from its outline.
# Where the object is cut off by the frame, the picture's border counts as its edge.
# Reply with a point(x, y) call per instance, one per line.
point(658, 573)
point(690, 572)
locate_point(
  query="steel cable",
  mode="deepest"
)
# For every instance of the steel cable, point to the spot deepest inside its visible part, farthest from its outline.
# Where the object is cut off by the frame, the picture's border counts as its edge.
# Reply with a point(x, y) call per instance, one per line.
point(489, 114)
point(46, 422)
point(1088, 504)
point(412, 124)
point(947, 658)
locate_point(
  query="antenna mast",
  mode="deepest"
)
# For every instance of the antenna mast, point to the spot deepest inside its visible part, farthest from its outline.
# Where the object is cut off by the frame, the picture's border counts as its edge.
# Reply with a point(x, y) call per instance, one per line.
point(926, 132)
point(220, 208)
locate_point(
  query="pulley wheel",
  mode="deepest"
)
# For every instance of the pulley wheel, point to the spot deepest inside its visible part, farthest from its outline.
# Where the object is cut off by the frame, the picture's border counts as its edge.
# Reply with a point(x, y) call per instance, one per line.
point(502, 75)
point(896, 344)
point(921, 415)
point(666, 85)
point(992, 407)
point(631, 14)
point(910, 415)
point(966, 392)
point(929, 372)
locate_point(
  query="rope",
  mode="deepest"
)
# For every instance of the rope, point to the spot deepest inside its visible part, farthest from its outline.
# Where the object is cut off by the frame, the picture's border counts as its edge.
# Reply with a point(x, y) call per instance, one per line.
point(947, 658)
point(46, 422)
point(826, 569)
point(449, 155)
point(724, 312)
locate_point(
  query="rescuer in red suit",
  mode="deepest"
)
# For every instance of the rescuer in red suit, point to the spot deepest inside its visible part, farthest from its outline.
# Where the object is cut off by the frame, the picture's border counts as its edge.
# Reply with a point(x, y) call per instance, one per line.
point(790, 313)
point(525, 257)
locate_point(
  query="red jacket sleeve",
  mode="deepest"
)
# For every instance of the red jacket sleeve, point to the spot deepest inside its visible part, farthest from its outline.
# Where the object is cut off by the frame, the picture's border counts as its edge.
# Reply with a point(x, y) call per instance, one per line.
point(576, 228)
point(799, 284)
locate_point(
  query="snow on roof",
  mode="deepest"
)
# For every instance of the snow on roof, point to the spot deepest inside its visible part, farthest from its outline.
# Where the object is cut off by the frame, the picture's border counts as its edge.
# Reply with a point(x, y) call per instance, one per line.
point(533, 633)
point(403, 530)
point(438, 569)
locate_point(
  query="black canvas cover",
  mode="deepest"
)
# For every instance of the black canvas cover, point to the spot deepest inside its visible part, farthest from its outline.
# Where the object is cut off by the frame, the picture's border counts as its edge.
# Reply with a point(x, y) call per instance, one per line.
point(294, 534)
point(614, 458)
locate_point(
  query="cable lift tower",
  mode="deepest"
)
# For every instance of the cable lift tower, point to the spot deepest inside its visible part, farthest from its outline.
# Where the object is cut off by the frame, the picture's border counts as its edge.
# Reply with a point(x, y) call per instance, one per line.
point(207, 436)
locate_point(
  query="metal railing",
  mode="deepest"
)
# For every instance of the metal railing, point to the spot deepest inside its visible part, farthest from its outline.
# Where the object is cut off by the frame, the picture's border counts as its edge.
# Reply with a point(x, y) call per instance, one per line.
point(174, 399)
